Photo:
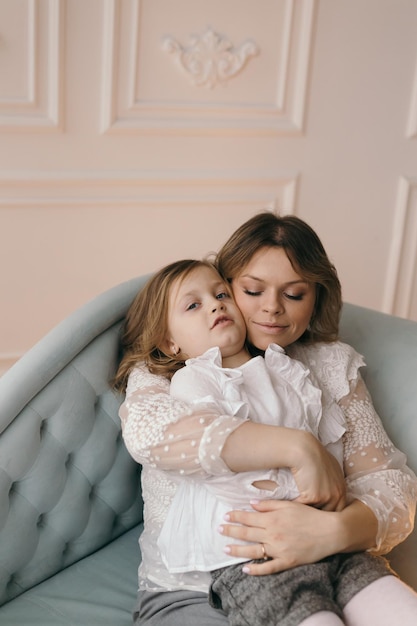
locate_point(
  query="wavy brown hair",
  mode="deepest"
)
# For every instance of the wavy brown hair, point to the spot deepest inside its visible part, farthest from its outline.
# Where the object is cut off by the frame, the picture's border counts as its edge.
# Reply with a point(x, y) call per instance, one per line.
point(145, 329)
point(306, 255)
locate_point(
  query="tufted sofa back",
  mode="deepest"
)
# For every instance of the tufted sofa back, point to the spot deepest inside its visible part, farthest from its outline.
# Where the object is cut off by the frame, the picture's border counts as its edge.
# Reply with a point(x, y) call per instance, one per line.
point(67, 484)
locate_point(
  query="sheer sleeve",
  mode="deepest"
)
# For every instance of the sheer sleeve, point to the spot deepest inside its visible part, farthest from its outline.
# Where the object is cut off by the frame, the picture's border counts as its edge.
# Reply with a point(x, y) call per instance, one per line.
point(167, 433)
point(376, 471)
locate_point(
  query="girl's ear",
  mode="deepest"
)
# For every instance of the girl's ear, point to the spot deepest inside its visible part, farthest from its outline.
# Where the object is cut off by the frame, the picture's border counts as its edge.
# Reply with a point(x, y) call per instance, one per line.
point(170, 347)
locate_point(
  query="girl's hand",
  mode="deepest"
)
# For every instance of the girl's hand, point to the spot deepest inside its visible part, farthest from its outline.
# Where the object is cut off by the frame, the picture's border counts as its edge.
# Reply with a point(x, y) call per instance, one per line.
point(291, 533)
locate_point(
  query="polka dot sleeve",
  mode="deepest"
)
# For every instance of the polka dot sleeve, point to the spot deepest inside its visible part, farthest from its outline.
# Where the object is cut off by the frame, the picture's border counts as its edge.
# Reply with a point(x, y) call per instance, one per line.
point(376, 471)
point(168, 434)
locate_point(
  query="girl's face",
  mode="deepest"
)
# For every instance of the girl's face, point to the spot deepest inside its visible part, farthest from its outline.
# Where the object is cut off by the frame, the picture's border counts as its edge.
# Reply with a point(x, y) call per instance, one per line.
point(202, 314)
point(276, 302)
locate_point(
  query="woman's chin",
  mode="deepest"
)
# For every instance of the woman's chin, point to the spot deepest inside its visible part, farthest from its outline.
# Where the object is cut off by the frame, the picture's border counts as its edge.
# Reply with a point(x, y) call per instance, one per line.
point(258, 346)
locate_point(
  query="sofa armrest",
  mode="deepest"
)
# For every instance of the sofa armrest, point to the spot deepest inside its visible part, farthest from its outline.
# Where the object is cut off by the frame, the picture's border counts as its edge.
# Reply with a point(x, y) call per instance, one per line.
point(67, 483)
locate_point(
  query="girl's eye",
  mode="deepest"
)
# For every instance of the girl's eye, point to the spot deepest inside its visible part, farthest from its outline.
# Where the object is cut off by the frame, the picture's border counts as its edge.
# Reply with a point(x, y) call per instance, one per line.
point(192, 306)
point(222, 295)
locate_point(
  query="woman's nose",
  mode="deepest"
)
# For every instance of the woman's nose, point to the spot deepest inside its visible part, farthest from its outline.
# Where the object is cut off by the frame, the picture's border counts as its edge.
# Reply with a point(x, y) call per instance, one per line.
point(272, 305)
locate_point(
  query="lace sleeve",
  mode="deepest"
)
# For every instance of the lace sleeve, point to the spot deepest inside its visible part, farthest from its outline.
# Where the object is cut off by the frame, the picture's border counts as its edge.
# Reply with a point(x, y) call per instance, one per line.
point(166, 433)
point(376, 471)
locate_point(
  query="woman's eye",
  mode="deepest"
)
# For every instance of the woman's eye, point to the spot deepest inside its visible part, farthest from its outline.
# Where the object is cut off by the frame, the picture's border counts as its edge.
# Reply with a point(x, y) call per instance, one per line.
point(291, 296)
point(252, 293)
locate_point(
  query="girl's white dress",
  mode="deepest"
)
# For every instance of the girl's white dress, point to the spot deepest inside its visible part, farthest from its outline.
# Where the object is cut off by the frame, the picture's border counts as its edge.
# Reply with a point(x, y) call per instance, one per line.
point(273, 390)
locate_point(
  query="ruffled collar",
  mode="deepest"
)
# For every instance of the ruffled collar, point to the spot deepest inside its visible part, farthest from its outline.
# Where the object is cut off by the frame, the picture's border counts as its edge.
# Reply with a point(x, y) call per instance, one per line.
point(294, 372)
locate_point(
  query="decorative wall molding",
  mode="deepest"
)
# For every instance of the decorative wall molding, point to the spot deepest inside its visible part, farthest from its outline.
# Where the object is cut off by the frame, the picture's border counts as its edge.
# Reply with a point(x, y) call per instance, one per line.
point(282, 72)
point(40, 108)
point(211, 59)
point(111, 29)
point(401, 282)
point(411, 130)
point(46, 189)
point(27, 99)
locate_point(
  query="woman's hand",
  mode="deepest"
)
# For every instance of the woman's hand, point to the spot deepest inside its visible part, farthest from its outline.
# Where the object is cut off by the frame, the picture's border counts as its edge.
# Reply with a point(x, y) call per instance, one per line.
point(291, 533)
point(296, 534)
point(319, 477)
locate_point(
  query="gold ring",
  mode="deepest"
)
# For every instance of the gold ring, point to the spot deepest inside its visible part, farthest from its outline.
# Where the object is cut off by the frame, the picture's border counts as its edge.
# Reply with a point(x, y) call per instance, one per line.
point(264, 554)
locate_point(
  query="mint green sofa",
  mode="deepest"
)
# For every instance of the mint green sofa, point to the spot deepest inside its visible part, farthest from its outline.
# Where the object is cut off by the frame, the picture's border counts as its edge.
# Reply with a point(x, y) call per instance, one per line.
point(70, 499)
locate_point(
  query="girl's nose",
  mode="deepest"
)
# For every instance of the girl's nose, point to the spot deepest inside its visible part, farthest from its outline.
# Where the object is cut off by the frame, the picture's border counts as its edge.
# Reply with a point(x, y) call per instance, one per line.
point(218, 305)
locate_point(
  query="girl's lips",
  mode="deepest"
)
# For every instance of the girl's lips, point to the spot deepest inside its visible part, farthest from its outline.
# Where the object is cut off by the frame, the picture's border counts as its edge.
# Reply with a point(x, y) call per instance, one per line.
point(221, 320)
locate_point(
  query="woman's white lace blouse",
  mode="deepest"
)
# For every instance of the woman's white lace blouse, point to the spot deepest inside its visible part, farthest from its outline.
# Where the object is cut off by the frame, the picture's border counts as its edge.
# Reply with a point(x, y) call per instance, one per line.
point(168, 438)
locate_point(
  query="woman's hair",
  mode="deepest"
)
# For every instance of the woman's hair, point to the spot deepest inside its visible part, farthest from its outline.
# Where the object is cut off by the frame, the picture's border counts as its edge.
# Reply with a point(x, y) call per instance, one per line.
point(145, 328)
point(306, 255)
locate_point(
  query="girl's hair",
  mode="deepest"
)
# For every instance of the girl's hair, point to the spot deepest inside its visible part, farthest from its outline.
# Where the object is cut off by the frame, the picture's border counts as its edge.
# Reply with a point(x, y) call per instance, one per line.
point(305, 253)
point(145, 328)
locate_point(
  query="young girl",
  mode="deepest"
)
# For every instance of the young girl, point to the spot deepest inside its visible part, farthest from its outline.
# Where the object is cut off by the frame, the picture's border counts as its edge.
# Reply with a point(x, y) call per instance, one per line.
point(186, 311)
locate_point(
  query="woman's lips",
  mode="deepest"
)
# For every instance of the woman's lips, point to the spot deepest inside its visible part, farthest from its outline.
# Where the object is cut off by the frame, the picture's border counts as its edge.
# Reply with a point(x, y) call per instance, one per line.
point(271, 329)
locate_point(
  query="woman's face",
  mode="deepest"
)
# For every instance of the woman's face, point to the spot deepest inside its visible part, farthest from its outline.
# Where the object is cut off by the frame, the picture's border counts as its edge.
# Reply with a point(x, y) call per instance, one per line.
point(276, 302)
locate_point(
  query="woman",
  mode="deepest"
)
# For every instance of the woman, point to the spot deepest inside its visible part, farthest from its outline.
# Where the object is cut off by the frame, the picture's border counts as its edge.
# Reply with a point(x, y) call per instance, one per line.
point(289, 294)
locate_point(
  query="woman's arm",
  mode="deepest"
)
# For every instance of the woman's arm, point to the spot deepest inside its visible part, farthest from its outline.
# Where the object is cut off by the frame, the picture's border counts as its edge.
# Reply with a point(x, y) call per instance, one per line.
point(166, 433)
point(376, 471)
point(318, 475)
